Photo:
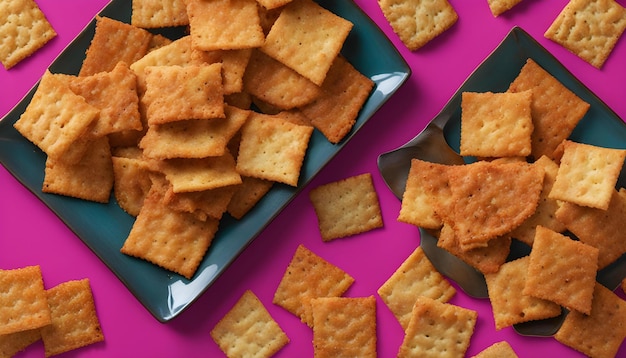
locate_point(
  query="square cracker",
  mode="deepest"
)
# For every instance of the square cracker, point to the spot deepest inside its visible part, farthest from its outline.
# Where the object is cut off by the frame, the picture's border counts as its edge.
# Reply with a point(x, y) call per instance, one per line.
point(599, 334)
point(346, 207)
point(415, 277)
point(224, 24)
point(56, 117)
point(114, 41)
point(603, 229)
point(438, 329)
point(497, 7)
point(309, 276)
point(272, 148)
point(555, 109)
point(175, 93)
point(500, 349)
point(24, 30)
point(417, 22)
point(562, 270)
point(496, 124)
point(344, 326)
point(158, 13)
point(23, 300)
point(587, 174)
point(307, 38)
point(248, 330)
point(176, 241)
point(344, 92)
point(508, 303)
point(589, 29)
point(75, 321)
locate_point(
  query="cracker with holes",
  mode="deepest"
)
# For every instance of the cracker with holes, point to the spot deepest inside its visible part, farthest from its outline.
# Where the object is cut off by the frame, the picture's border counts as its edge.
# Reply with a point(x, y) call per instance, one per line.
point(272, 148)
point(589, 29)
point(562, 270)
point(24, 29)
point(344, 92)
point(75, 322)
point(555, 109)
point(56, 118)
point(156, 14)
point(588, 174)
point(599, 334)
point(248, 330)
point(438, 329)
point(500, 349)
point(114, 41)
point(309, 276)
point(508, 303)
point(176, 241)
point(603, 229)
point(415, 277)
point(418, 22)
point(346, 207)
point(344, 326)
point(496, 124)
point(224, 24)
point(234, 64)
point(498, 7)
point(307, 38)
point(175, 93)
point(23, 300)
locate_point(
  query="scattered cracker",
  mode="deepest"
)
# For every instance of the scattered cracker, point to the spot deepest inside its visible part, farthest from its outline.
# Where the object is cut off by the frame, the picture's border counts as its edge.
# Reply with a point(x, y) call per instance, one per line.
point(588, 174)
point(23, 301)
point(224, 24)
point(562, 270)
point(309, 276)
point(307, 38)
point(114, 41)
point(24, 30)
point(274, 83)
point(417, 22)
point(344, 93)
point(589, 29)
point(509, 305)
point(248, 330)
point(498, 7)
point(603, 229)
point(56, 117)
point(415, 277)
point(346, 207)
point(158, 13)
point(344, 326)
point(131, 183)
point(500, 349)
point(175, 93)
point(75, 322)
point(272, 148)
point(496, 124)
point(176, 241)
point(247, 196)
point(555, 109)
point(599, 334)
point(438, 329)
point(14, 343)
point(89, 179)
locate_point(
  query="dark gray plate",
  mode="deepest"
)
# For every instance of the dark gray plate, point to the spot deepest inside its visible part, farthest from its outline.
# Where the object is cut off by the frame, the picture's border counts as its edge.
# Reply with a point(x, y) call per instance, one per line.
point(105, 227)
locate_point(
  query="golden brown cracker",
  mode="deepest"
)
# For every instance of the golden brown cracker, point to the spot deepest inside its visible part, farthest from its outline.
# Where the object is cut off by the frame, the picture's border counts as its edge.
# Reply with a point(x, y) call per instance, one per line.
point(211, 203)
point(248, 330)
point(562, 270)
point(23, 300)
point(500, 349)
point(131, 183)
point(498, 7)
point(247, 195)
point(13, 343)
point(157, 13)
point(234, 65)
point(24, 29)
point(415, 277)
point(346, 207)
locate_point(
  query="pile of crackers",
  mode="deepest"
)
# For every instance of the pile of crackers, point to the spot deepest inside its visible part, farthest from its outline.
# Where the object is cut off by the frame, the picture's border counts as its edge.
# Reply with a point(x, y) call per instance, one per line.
point(588, 28)
point(185, 130)
point(63, 317)
point(531, 183)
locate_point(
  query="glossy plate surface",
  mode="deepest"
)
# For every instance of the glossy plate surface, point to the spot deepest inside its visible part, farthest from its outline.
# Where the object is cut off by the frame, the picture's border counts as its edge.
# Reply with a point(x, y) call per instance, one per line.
point(104, 227)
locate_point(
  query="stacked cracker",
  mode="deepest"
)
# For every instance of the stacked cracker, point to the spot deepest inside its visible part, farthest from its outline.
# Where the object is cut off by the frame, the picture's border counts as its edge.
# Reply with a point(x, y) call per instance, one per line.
point(532, 184)
point(167, 125)
point(63, 317)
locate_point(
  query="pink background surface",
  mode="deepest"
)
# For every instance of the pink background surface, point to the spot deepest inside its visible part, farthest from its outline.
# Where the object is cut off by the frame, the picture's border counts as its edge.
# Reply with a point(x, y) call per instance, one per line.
point(31, 234)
